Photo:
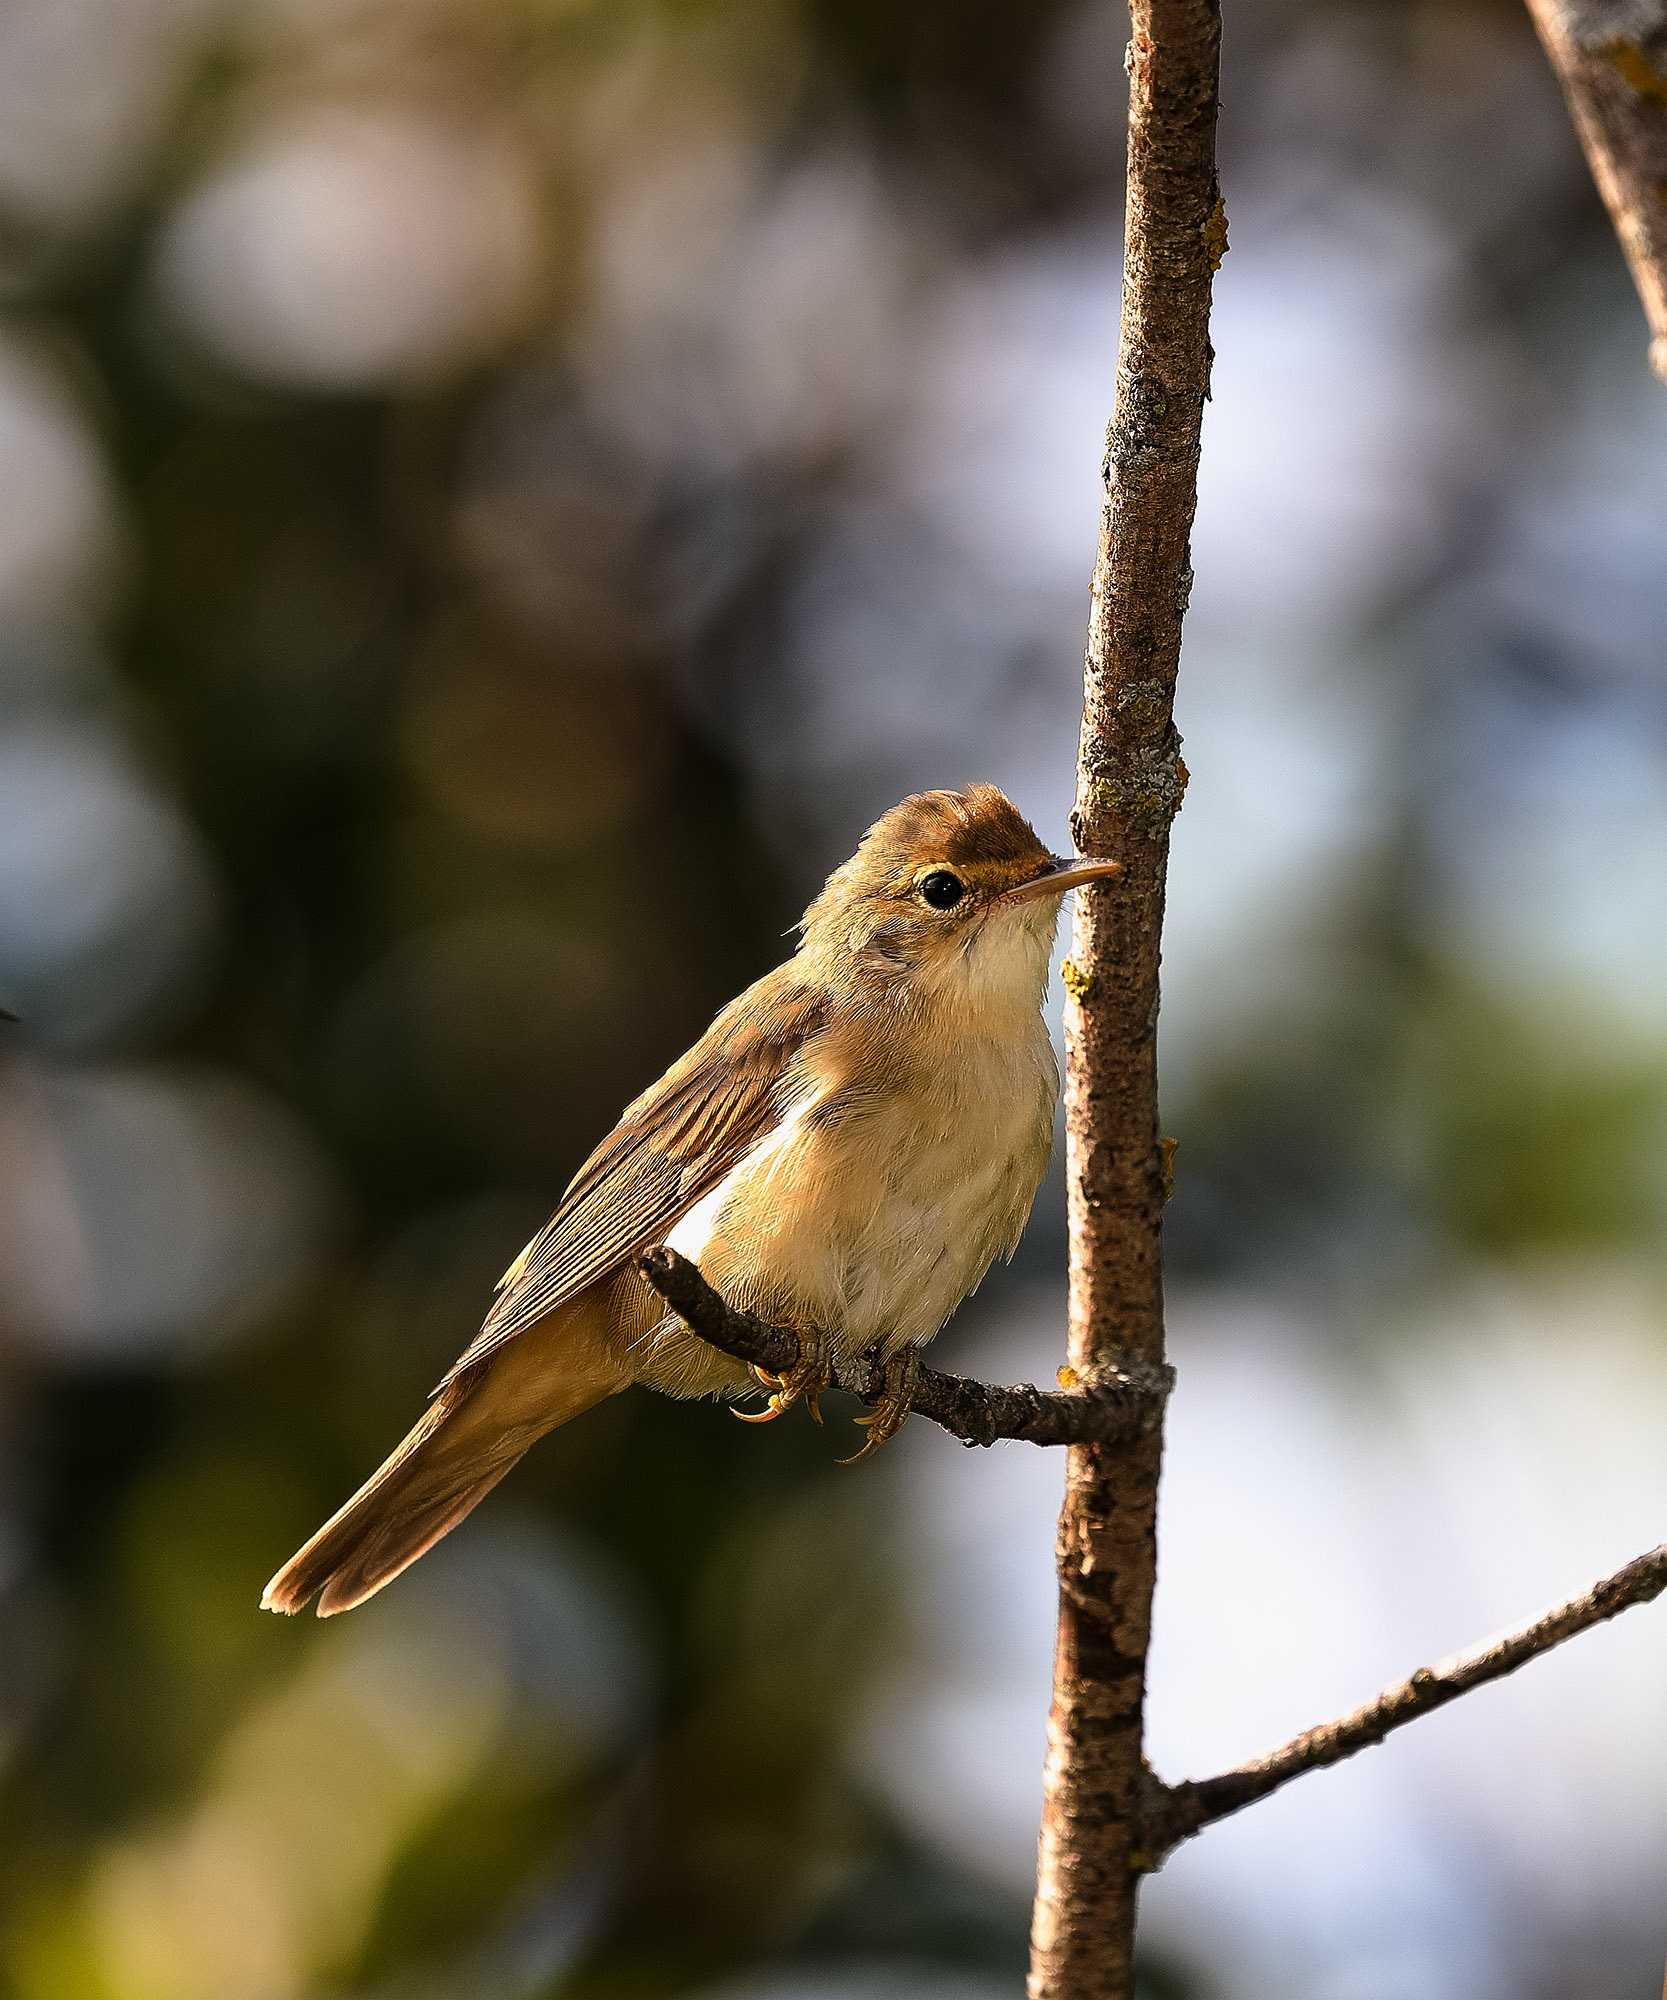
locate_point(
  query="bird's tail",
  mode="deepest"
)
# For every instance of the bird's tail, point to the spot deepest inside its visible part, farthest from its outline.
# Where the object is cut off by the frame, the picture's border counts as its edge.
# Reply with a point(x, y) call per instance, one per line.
point(475, 1429)
point(401, 1510)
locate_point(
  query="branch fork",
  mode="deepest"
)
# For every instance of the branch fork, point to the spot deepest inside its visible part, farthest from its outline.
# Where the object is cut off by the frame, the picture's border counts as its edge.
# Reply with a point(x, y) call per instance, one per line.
point(1117, 1405)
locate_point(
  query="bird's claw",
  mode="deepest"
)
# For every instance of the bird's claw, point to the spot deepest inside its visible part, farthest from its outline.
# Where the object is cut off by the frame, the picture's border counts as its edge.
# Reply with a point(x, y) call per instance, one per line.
point(804, 1381)
point(896, 1400)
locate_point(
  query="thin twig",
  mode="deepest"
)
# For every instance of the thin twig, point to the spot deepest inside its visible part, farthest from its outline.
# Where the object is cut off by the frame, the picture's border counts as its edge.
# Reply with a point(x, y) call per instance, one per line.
point(1611, 60)
point(1117, 1406)
point(1179, 1811)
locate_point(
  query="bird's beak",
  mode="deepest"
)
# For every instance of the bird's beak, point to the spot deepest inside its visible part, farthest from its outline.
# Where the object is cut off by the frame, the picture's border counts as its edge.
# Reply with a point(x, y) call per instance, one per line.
point(1064, 871)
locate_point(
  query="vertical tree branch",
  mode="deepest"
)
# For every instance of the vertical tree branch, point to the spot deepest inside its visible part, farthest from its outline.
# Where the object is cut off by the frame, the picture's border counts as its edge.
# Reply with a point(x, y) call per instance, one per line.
point(1611, 59)
point(1129, 785)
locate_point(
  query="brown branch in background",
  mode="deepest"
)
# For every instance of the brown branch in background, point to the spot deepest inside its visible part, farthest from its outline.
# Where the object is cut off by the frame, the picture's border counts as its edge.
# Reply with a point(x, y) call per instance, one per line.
point(1611, 59)
point(1182, 1810)
point(1118, 1405)
point(1129, 784)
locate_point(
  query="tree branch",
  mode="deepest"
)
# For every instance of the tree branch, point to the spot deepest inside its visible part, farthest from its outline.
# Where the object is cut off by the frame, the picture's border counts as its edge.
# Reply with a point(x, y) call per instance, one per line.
point(1117, 1406)
point(1611, 59)
point(1183, 1810)
point(1129, 784)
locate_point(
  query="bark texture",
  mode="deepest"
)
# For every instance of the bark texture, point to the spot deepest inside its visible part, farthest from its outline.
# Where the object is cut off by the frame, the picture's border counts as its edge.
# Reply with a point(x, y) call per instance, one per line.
point(1611, 59)
point(1129, 784)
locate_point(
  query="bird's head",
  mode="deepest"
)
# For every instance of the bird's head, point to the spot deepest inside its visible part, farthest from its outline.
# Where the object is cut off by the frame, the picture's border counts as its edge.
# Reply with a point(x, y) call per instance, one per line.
point(951, 895)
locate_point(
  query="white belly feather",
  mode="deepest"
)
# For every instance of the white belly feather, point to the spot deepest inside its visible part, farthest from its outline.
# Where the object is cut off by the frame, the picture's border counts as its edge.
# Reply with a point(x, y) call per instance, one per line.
point(870, 1216)
point(693, 1235)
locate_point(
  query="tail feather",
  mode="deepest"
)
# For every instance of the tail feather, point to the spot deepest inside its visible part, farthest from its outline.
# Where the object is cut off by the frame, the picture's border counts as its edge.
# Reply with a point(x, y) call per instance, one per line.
point(401, 1510)
point(473, 1432)
point(396, 1545)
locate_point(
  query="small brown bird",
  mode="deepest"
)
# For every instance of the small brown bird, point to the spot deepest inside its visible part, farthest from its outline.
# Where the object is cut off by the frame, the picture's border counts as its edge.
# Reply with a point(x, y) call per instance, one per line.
point(844, 1151)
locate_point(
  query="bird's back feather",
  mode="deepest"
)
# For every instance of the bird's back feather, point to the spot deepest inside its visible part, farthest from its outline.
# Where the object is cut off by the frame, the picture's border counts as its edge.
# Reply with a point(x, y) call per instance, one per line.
point(674, 1144)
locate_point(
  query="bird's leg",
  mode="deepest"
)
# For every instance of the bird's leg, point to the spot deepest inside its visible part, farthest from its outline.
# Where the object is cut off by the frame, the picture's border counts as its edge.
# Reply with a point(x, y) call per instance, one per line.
point(896, 1400)
point(806, 1378)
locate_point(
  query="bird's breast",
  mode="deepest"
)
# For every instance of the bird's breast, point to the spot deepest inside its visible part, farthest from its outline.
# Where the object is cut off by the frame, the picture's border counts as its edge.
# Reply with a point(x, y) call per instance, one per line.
point(882, 1198)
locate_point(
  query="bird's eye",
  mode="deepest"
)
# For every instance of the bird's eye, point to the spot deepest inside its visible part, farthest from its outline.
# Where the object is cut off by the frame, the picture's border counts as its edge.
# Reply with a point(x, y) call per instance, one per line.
point(941, 889)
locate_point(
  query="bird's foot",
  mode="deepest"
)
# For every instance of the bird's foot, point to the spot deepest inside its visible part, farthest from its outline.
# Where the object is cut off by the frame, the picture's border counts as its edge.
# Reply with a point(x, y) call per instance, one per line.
point(896, 1400)
point(804, 1381)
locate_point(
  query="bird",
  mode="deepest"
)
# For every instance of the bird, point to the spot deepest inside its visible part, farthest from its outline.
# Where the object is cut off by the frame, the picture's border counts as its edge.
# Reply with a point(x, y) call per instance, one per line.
point(844, 1152)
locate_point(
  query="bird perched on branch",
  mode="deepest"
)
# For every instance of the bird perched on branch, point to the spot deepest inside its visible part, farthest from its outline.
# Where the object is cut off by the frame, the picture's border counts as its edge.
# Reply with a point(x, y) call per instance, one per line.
point(844, 1152)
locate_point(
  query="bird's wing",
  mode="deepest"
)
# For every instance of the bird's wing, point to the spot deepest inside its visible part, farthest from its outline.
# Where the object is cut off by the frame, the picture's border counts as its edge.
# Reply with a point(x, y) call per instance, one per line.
point(672, 1146)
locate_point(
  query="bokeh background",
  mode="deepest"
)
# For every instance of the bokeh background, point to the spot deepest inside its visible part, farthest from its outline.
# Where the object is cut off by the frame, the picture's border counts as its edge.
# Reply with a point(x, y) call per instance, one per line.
point(494, 496)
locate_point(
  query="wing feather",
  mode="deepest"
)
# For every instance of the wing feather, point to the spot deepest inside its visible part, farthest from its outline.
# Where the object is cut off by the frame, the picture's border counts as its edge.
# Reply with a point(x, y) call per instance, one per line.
point(673, 1145)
